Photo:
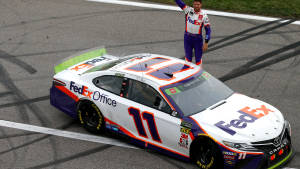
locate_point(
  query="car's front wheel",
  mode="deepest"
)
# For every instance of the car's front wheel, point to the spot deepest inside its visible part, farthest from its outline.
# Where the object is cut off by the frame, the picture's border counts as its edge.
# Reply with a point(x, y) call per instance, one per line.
point(90, 116)
point(206, 154)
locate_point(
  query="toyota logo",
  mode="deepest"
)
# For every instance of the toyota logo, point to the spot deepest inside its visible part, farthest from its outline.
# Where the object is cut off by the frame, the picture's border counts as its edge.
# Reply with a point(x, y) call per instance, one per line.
point(277, 141)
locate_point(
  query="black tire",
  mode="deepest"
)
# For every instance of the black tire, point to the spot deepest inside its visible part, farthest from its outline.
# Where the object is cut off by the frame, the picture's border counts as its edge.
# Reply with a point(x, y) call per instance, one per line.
point(90, 117)
point(206, 154)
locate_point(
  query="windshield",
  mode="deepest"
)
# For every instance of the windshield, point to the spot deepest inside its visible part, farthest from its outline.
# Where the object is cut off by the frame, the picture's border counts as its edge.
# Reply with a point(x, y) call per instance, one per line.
point(197, 93)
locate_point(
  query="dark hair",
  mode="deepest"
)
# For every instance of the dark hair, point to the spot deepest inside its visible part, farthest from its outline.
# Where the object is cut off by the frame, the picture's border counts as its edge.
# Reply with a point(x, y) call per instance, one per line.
point(198, 1)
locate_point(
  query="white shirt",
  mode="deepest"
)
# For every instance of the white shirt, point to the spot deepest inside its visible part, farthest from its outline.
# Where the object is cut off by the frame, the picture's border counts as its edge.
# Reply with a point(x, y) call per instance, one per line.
point(195, 20)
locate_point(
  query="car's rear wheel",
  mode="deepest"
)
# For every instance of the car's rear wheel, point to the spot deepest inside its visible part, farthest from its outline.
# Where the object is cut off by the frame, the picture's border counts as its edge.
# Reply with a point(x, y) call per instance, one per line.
point(206, 154)
point(90, 117)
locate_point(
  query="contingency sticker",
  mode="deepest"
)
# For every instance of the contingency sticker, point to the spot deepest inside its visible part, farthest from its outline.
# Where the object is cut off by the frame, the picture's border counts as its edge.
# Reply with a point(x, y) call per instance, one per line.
point(184, 140)
point(185, 130)
point(172, 91)
point(205, 75)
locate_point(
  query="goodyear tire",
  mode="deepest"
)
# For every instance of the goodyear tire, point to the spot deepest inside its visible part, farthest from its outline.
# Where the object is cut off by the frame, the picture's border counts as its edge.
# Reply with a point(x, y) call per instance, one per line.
point(206, 154)
point(90, 117)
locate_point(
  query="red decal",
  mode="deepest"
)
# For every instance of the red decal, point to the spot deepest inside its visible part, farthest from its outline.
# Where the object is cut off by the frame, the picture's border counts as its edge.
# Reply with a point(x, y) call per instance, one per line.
point(82, 66)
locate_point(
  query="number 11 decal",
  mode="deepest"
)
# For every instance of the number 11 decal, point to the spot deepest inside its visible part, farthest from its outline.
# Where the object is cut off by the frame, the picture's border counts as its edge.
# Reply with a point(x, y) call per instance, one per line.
point(149, 117)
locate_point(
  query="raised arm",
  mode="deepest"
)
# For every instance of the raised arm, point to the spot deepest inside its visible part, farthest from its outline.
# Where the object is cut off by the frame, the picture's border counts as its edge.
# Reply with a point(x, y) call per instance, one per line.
point(181, 4)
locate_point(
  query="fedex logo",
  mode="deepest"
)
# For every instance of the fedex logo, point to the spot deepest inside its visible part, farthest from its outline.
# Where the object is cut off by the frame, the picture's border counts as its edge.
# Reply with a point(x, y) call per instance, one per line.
point(89, 64)
point(81, 90)
point(81, 66)
point(247, 116)
point(195, 22)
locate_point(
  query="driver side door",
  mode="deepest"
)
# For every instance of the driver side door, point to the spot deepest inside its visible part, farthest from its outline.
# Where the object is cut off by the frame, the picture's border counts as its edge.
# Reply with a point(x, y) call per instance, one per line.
point(151, 118)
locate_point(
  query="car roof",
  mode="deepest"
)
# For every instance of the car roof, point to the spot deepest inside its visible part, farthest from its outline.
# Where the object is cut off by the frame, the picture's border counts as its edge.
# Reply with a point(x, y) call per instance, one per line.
point(161, 70)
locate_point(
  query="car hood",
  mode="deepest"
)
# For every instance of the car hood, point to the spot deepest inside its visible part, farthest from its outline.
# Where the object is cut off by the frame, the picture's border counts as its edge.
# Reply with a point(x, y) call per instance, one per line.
point(241, 119)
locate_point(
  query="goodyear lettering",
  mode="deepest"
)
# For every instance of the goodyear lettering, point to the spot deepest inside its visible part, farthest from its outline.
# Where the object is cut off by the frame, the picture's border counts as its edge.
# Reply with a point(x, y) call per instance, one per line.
point(203, 166)
point(247, 116)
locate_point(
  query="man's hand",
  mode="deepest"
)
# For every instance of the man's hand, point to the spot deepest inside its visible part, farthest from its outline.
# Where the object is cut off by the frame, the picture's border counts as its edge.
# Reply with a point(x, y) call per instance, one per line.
point(205, 46)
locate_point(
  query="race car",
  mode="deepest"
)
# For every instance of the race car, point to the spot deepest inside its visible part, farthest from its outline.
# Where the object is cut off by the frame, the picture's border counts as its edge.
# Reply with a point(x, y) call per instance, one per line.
point(171, 106)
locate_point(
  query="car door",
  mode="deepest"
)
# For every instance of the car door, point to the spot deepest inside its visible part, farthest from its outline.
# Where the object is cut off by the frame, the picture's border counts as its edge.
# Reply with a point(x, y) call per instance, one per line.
point(117, 117)
point(151, 119)
point(106, 94)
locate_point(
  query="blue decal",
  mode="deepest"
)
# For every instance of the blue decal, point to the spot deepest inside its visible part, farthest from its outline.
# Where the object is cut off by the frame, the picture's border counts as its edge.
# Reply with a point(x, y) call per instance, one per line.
point(247, 116)
point(102, 98)
point(166, 73)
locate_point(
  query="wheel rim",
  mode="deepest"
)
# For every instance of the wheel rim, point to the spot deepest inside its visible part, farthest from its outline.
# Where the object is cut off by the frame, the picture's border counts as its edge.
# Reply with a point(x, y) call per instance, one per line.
point(90, 117)
point(206, 157)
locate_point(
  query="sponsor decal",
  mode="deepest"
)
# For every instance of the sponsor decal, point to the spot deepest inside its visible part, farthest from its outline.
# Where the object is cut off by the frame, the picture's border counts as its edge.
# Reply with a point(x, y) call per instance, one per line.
point(229, 153)
point(185, 130)
point(195, 22)
point(81, 66)
point(186, 124)
point(205, 75)
point(279, 148)
point(229, 162)
point(277, 141)
point(172, 91)
point(247, 116)
point(112, 127)
point(103, 98)
point(229, 157)
point(200, 17)
point(83, 90)
point(184, 140)
point(97, 96)
point(89, 63)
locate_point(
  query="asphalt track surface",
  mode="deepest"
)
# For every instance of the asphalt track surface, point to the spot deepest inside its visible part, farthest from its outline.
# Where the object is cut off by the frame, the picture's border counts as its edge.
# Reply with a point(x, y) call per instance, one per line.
point(256, 58)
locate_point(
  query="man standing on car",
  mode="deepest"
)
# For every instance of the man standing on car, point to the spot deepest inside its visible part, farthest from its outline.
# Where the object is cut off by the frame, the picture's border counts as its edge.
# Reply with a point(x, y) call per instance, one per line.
point(195, 20)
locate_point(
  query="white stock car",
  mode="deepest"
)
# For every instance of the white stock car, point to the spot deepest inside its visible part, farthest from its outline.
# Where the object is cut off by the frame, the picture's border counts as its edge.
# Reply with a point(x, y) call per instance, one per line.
point(172, 106)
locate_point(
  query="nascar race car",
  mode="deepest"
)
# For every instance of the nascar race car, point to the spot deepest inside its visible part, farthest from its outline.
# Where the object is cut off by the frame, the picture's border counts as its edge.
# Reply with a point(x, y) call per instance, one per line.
point(172, 106)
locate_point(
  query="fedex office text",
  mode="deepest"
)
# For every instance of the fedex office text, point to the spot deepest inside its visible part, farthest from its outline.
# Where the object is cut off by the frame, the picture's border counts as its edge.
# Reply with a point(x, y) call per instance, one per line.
point(97, 96)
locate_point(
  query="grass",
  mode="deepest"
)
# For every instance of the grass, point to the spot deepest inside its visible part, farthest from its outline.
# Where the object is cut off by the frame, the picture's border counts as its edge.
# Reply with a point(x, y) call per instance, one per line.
point(275, 8)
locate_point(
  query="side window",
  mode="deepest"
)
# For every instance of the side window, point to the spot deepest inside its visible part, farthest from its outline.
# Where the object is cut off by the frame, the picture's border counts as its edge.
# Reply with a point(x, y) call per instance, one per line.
point(109, 83)
point(146, 95)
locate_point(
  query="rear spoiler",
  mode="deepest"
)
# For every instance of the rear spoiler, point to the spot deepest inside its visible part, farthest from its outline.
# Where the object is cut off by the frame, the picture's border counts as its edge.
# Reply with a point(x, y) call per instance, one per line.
point(79, 57)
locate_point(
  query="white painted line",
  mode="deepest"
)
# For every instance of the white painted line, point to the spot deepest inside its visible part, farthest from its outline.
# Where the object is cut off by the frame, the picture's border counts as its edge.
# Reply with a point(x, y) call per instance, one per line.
point(175, 8)
point(62, 133)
